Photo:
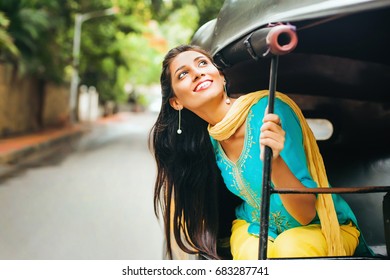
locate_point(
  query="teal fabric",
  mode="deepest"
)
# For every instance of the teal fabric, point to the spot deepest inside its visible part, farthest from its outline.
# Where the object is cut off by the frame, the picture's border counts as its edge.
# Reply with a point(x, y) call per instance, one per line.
point(244, 177)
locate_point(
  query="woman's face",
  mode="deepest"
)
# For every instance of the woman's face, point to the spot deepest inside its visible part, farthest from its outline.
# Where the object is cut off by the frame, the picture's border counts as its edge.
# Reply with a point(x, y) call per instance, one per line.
point(196, 82)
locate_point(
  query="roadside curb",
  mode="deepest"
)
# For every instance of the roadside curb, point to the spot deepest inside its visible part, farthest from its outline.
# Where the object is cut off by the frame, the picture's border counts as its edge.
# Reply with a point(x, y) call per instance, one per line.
point(15, 150)
point(21, 150)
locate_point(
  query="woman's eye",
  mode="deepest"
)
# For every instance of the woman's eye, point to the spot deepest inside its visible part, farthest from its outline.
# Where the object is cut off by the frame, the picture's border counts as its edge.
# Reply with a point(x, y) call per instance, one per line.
point(182, 74)
point(202, 63)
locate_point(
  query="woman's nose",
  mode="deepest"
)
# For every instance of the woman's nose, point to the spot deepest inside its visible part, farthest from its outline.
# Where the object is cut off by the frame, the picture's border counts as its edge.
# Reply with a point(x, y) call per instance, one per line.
point(198, 73)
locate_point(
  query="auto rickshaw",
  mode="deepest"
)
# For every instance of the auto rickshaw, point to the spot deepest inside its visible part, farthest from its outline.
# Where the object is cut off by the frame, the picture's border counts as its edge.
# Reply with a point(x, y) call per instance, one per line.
point(332, 59)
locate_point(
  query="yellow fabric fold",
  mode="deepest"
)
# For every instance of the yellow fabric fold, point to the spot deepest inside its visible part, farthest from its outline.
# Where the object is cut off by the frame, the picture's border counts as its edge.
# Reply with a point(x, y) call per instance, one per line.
point(237, 115)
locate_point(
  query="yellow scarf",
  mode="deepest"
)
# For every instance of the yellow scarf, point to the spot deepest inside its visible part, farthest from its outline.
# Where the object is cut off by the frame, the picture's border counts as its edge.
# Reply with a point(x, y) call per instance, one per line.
point(237, 115)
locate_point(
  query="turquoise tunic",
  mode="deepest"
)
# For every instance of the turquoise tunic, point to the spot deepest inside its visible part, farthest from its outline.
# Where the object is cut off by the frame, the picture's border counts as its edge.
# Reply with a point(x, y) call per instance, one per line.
point(244, 177)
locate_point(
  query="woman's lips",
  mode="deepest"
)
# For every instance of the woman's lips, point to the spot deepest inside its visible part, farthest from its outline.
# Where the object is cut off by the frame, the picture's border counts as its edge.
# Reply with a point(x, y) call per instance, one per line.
point(203, 85)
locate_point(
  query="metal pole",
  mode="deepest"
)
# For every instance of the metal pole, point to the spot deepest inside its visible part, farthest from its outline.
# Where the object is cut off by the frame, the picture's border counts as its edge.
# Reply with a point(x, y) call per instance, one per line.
point(75, 75)
point(80, 18)
point(267, 169)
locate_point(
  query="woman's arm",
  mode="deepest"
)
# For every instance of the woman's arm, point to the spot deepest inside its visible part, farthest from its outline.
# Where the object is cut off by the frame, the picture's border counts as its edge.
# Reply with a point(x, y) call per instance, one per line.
point(300, 206)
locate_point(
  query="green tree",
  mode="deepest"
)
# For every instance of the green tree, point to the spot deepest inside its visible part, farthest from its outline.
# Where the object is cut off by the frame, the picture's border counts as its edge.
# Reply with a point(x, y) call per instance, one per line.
point(36, 28)
point(8, 49)
point(105, 54)
point(207, 9)
point(36, 35)
point(180, 25)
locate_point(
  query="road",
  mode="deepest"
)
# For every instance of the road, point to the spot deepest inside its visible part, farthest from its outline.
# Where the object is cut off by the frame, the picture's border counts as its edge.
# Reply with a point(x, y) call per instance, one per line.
point(91, 202)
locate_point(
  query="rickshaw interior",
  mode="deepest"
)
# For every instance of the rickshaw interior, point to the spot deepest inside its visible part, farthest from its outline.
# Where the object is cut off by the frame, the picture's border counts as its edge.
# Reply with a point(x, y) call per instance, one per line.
point(338, 72)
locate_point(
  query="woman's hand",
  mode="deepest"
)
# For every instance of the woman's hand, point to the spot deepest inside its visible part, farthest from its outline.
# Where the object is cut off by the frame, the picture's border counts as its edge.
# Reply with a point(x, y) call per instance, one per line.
point(272, 135)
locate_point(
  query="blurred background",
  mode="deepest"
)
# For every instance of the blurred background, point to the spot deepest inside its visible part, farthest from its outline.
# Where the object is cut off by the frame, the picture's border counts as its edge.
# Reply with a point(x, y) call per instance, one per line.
point(115, 45)
point(79, 93)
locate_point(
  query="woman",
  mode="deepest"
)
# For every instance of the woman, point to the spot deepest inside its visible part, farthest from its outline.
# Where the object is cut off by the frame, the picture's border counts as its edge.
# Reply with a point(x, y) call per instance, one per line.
point(203, 139)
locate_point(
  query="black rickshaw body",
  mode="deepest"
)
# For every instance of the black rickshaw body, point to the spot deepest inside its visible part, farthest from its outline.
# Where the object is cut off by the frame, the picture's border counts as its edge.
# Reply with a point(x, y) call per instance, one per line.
point(338, 72)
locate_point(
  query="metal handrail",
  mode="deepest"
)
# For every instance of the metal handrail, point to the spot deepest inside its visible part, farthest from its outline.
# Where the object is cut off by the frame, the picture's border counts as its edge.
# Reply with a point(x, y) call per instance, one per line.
point(336, 190)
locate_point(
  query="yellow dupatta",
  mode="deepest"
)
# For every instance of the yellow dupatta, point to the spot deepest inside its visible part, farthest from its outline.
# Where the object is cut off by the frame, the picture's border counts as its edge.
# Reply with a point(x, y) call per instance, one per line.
point(237, 115)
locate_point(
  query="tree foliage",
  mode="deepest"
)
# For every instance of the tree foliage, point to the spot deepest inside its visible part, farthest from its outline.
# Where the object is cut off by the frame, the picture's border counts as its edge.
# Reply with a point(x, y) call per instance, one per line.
point(8, 49)
point(36, 28)
point(207, 9)
point(116, 50)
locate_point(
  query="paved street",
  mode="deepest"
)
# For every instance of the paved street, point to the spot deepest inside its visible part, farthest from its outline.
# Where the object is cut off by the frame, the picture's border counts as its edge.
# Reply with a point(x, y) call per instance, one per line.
point(95, 202)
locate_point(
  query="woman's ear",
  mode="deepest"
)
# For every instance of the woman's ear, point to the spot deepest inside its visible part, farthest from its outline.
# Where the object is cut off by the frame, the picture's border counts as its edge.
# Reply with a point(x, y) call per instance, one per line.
point(175, 104)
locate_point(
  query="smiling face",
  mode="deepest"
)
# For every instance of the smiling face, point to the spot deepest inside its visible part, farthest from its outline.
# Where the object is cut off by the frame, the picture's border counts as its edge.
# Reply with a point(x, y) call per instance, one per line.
point(196, 82)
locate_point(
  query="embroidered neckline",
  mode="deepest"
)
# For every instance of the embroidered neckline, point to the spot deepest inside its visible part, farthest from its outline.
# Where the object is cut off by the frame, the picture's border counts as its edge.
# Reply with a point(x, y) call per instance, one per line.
point(246, 147)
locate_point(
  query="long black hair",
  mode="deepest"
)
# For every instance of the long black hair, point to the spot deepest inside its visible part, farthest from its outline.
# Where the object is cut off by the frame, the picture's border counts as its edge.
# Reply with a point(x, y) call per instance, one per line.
point(188, 179)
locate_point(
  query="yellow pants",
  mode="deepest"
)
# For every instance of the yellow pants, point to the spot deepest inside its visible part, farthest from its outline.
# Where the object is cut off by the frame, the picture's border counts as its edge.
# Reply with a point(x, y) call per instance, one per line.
point(304, 241)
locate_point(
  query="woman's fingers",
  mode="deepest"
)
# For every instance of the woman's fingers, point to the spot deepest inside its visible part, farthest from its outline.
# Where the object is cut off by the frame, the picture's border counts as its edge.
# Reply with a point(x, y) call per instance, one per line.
point(272, 118)
point(272, 135)
point(275, 143)
point(272, 126)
